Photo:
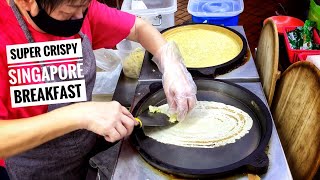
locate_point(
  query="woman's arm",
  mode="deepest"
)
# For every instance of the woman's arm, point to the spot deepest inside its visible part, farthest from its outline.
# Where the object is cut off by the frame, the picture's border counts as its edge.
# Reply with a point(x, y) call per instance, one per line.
point(148, 36)
point(108, 119)
point(23, 134)
point(178, 84)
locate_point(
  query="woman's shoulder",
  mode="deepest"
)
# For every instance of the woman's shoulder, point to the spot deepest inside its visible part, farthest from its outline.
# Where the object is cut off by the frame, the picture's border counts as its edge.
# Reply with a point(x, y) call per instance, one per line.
point(4, 4)
point(11, 32)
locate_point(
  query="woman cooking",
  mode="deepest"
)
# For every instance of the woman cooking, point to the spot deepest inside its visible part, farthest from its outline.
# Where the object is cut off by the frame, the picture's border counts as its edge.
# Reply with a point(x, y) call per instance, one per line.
point(53, 141)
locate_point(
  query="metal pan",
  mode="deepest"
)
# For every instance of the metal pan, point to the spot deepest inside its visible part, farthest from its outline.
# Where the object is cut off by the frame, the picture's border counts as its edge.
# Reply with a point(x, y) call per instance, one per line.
point(217, 69)
point(245, 155)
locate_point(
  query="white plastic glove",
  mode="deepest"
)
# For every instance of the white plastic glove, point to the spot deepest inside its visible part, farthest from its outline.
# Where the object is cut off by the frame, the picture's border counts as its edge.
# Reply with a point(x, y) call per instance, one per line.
point(178, 84)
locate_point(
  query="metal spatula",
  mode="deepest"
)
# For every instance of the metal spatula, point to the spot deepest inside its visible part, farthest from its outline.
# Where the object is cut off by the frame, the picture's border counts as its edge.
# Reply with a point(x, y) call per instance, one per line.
point(147, 118)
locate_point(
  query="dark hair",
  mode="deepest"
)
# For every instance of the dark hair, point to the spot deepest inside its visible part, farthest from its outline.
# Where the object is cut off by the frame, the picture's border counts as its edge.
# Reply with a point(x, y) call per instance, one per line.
point(50, 5)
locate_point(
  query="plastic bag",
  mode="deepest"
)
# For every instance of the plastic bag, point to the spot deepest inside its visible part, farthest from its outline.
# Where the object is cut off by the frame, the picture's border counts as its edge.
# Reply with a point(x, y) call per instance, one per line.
point(108, 71)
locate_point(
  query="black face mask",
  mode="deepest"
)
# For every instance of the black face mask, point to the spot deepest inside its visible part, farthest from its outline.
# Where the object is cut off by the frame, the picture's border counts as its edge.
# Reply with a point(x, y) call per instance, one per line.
point(55, 27)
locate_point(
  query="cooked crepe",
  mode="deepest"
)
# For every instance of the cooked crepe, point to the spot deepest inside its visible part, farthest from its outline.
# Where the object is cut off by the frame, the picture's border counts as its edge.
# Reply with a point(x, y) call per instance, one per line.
point(210, 124)
point(202, 47)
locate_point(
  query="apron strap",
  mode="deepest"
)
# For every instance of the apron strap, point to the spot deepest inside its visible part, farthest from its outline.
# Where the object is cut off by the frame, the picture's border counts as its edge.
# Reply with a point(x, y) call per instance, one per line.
point(21, 22)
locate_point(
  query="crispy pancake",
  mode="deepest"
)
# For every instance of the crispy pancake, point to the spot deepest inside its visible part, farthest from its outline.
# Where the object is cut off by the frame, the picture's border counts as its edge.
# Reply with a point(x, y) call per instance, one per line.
point(210, 124)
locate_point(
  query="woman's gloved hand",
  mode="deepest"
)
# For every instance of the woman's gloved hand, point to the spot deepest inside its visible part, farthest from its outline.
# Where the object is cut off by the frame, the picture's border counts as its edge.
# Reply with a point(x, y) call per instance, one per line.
point(178, 84)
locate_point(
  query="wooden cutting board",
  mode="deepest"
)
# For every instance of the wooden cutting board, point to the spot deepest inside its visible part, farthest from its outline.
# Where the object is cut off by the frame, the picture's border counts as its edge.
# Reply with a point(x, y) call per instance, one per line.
point(267, 59)
point(296, 111)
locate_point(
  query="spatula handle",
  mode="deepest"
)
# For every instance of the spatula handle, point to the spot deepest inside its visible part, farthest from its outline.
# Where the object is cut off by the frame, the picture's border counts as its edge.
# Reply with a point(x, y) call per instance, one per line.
point(140, 122)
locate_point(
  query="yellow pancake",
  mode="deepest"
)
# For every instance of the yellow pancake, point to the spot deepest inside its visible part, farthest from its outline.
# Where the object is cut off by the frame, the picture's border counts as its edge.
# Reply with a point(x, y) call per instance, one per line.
point(205, 45)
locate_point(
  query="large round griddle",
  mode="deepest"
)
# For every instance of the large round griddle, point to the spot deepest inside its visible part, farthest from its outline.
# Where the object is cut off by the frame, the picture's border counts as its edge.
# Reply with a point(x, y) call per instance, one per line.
point(245, 155)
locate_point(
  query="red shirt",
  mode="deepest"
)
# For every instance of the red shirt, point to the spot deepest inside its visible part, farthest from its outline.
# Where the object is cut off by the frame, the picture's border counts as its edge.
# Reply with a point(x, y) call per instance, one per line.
point(104, 26)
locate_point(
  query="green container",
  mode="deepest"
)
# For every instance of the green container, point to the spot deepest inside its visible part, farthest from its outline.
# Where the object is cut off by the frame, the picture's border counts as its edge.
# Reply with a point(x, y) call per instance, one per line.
point(314, 13)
